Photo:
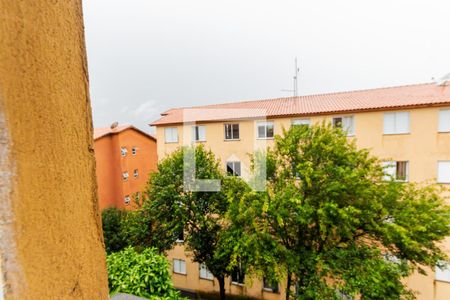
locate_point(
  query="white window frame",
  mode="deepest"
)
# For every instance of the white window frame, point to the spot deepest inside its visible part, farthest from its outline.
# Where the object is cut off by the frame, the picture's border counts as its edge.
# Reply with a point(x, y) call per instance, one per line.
point(234, 163)
point(125, 175)
point(180, 235)
point(442, 274)
point(348, 124)
point(233, 138)
point(127, 199)
point(201, 130)
point(444, 120)
point(390, 169)
point(440, 164)
point(134, 150)
point(266, 124)
point(171, 135)
point(267, 288)
point(296, 122)
point(179, 266)
point(204, 273)
point(123, 151)
point(135, 173)
point(396, 126)
point(241, 281)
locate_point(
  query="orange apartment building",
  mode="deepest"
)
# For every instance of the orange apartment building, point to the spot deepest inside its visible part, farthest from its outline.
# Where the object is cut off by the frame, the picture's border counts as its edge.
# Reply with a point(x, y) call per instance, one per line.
point(408, 127)
point(125, 156)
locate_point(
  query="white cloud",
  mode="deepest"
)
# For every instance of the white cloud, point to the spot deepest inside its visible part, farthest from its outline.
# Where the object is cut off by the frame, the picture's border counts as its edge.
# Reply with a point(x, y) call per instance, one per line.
point(146, 109)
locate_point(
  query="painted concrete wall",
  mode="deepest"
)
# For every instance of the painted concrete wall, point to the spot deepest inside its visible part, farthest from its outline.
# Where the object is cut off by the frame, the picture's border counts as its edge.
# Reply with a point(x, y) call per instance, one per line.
point(144, 161)
point(422, 147)
point(191, 280)
point(51, 239)
point(110, 165)
point(108, 171)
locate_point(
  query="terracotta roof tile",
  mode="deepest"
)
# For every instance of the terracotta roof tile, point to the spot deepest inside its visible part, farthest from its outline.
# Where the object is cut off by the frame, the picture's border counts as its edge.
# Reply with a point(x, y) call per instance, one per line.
point(353, 101)
point(101, 132)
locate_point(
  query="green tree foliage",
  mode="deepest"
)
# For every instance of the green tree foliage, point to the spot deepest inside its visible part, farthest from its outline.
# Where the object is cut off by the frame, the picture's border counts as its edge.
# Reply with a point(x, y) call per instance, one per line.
point(144, 274)
point(122, 228)
point(200, 215)
point(330, 221)
point(113, 233)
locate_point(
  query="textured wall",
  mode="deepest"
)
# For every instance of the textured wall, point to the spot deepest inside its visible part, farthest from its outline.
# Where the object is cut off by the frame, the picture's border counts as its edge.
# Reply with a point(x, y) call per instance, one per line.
point(110, 164)
point(50, 235)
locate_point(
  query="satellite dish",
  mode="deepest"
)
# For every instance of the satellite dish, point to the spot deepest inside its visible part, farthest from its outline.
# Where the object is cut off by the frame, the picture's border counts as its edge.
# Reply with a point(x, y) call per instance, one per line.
point(443, 81)
point(114, 125)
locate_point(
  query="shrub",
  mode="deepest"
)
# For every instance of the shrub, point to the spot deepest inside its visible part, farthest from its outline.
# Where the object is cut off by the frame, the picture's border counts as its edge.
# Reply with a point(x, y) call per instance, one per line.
point(144, 274)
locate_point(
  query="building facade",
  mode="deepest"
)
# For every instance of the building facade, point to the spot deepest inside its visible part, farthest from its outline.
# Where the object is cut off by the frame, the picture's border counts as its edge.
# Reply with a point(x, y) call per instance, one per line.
point(125, 156)
point(407, 127)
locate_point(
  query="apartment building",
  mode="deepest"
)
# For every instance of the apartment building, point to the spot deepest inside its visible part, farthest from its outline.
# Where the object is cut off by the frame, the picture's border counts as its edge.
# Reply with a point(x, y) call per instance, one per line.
point(124, 156)
point(408, 127)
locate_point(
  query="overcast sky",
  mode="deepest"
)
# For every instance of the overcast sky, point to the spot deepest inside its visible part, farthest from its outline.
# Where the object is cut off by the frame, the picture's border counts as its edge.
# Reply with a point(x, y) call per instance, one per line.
point(148, 56)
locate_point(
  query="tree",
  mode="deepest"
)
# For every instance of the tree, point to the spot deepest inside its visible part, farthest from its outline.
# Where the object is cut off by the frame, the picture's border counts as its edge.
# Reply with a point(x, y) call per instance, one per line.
point(137, 228)
point(112, 219)
point(201, 215)
point(330, 222)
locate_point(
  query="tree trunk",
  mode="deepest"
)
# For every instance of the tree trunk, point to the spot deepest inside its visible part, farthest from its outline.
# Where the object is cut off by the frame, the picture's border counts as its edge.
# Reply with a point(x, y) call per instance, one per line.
point(222, 287)
point(288, 285)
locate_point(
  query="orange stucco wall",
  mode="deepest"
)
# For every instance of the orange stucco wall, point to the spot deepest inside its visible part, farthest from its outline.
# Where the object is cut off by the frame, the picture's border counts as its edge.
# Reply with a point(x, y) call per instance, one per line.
point(110, 164)
point(51, 243)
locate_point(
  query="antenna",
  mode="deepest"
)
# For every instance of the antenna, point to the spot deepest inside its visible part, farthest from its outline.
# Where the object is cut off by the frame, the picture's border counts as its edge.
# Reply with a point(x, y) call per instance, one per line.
point(296, 71)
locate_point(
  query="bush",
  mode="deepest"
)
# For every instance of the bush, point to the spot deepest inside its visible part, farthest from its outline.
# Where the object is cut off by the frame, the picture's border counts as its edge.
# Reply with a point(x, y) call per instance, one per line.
point(144, 274)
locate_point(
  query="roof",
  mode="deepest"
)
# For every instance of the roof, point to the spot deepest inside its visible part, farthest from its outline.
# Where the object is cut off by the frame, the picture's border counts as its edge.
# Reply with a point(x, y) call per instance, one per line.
point(390, 98)
point(101, 132)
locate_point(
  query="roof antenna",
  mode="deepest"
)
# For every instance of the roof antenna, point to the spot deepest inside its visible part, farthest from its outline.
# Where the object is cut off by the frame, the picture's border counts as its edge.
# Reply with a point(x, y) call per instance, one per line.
point(295, 87)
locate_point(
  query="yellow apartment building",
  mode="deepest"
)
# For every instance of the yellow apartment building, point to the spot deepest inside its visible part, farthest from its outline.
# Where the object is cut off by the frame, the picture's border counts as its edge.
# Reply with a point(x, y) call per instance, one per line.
point(408, 127)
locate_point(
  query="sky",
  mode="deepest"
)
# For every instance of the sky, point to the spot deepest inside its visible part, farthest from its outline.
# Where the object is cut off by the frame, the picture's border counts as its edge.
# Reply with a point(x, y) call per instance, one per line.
point(146, 56)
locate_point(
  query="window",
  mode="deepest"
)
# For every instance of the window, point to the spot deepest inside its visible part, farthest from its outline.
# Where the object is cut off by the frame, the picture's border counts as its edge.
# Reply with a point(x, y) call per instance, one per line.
point(444, 120)
point(136, 173)
point(443, 273)
point(237, 276)
point(443, 172)
point(391, 258)
point(180, 236)
point(234, 168)
point(231, 131)
point(134, 150)
point(123, 151)
point(127, 199)
point(171, 135)
point(343, 296)
point(205, 273)
point(396, 122)
point(125, 176)
point(346, 123)
point(179, 266)
point(199, 133)
point(397, 170)
point(306, 122)
point(265, 130)
point(270, 285)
